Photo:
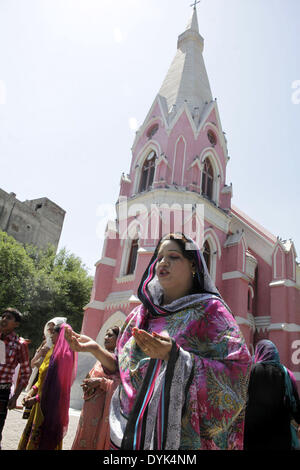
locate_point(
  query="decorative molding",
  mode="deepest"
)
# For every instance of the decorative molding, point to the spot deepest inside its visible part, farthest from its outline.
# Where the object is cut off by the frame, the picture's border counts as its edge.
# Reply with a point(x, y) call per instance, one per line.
point(118, 299)
point(234, 275)
point(213, 215)
point(197, 162)
point(163, 158)
point(175, 158)
point(140, 158)
point(210, 234)
point(115, 299)
point(278, 248)
point(251, 263)
point(234, 238)
point(249, 321)
point(174, 119)
point(210, 152)
point(250, 288)
point(284, 282)
point(256, 240)
point(134, 300)
point(289, 327)
point(125, 178)
point(96, 304)
point(215, 250)
point(146, 251)
point(262, 323)
point(151, 119)
point(205, 122)
point(127, 278)
point(125, 258)
point(227, 189)
point(108, 261)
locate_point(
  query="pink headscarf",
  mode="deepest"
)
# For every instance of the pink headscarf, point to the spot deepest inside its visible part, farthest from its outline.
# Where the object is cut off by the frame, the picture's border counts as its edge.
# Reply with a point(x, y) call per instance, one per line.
point(56, 391)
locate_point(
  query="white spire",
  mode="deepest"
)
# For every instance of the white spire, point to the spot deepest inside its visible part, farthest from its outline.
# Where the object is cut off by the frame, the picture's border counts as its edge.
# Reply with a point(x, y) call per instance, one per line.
point(187, 80)
point(193, 23)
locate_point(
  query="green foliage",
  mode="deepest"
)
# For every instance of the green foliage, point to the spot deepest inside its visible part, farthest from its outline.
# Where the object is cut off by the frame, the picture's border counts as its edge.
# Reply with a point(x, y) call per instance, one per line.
point(43, 285)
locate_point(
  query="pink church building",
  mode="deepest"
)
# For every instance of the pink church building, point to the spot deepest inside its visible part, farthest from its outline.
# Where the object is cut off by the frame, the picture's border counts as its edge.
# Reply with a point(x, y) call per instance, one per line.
point(179, 160)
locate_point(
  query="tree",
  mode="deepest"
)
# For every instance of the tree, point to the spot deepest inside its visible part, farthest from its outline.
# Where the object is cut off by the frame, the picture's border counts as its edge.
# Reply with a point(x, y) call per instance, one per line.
point(43, 285)
point(17, 274)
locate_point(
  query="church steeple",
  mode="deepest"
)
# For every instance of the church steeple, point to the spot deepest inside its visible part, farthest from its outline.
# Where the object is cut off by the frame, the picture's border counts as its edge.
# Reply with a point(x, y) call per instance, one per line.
point(193, 23)
point(187, 80)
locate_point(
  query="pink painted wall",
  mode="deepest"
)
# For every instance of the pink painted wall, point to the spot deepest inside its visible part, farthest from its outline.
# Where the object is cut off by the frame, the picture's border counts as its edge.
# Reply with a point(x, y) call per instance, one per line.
point(181, 148)
point(264, 276)
point(92, 322)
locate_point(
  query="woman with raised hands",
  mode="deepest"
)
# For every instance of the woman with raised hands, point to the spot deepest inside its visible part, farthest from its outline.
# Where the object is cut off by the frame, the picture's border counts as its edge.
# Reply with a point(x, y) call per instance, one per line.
point(183, 362)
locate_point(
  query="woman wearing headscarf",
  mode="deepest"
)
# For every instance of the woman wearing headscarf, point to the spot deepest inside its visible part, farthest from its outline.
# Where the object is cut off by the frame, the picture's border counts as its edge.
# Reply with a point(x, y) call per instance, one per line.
point(50, 397)
point(182, 359)
point(273, 401)
point(93, 427)
point(42, 350)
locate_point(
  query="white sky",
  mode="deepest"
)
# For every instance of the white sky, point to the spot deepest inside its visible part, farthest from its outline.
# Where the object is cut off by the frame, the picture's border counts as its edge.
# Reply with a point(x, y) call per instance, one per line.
point(77, 76)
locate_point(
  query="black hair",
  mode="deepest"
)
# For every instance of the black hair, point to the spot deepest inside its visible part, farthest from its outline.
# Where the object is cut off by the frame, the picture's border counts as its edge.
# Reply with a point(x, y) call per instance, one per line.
point(182, 242)
point(115, 329)
point(188, 253)
point(17, 315)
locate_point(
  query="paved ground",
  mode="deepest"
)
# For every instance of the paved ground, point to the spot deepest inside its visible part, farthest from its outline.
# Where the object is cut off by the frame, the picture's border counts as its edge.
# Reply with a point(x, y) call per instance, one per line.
point(15, 424)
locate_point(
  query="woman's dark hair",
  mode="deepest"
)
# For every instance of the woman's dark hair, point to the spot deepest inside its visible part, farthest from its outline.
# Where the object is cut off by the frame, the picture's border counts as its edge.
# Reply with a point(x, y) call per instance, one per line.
point(115, 329)
point(187, 253)
point(182, 242)
point(57, 328)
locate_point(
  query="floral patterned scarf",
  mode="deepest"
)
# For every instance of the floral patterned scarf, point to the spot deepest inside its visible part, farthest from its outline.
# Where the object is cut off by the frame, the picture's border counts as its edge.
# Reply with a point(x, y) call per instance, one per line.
point(196, 399)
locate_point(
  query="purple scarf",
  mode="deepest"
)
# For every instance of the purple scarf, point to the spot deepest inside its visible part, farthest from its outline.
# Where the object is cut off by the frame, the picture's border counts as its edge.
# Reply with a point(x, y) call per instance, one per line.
point(56, 390)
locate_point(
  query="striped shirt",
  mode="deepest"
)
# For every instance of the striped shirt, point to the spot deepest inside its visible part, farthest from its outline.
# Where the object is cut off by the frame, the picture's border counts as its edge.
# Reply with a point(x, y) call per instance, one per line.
point(16, 350)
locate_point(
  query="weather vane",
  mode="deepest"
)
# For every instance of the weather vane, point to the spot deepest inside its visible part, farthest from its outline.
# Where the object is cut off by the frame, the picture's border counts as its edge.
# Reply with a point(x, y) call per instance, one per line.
point(195, 3)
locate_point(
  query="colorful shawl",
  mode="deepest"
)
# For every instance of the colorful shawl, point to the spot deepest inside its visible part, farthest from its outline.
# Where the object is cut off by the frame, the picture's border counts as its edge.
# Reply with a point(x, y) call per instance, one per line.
point(93, 427)
point(30, 439)
point(196, 399)
point(55, 399)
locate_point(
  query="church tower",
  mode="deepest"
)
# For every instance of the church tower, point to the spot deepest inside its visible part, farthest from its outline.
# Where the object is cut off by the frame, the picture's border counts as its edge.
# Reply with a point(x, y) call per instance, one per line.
point(179, 159)
point(177, 181)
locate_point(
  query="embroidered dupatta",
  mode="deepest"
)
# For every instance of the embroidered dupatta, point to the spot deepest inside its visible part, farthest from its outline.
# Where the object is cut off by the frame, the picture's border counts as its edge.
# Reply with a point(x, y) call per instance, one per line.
point(196, 399)
point(55, 398)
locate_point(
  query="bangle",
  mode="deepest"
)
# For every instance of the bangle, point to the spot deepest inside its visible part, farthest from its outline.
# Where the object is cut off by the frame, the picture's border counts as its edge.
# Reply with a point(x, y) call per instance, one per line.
point(37, 398)
point(34, 387)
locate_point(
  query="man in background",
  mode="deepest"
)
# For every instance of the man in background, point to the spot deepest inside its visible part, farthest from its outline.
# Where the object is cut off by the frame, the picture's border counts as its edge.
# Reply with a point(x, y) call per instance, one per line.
point(13, 351)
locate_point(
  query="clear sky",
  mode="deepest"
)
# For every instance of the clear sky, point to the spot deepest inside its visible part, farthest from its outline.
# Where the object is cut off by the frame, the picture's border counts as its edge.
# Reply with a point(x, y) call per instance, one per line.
point(77, 75)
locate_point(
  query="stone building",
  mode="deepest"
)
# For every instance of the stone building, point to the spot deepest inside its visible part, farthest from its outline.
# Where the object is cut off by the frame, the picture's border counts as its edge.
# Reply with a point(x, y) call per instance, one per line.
point(37, 222)
point(179, 159)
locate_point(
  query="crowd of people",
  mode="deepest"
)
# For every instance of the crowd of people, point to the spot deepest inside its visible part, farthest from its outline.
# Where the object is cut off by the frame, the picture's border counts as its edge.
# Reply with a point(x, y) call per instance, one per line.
point(177, 375)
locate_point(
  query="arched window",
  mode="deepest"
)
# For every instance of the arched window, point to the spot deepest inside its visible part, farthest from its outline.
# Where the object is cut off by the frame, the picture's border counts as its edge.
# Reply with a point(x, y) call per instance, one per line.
point(207, 179)
point(250, 298)
point(147, 173)
point(132, 257)
point(207, 255)
point(212, 138)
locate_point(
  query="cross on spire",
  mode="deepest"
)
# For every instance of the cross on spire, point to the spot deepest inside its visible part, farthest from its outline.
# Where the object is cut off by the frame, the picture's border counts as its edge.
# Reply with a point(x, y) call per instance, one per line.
point(195, 3)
